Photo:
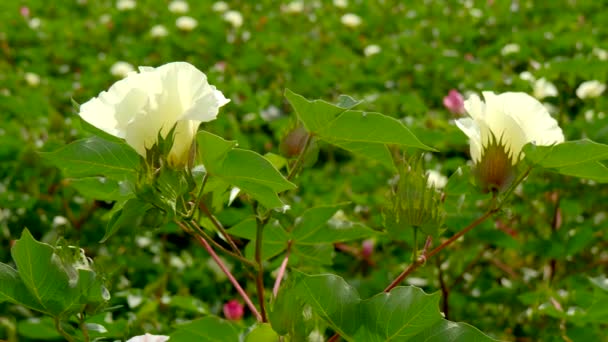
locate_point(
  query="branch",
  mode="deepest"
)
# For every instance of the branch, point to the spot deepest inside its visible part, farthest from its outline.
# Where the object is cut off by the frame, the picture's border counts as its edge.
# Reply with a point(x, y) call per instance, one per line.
point(258, 258)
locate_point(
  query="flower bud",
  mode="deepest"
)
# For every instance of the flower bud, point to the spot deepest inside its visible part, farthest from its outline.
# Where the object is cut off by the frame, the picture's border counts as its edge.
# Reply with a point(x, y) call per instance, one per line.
point(454, 102)
point(233, 310)
point(495, 170)
point(415, 202)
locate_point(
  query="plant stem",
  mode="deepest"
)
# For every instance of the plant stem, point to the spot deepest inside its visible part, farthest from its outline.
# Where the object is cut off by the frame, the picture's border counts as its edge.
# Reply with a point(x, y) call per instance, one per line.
point(219, 227)
point(258, 258)
point(415, 251)
point(234, 282)
point(239, 257)
point(300, 160)
point(61, 331)
point(83, 327)
point(277, 283)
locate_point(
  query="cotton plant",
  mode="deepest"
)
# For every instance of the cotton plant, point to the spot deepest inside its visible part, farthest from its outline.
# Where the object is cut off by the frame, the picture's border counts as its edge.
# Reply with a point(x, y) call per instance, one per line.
point(151, 153)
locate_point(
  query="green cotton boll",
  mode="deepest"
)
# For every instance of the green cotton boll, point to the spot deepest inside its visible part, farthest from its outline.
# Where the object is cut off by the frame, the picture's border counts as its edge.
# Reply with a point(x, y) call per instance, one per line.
point(414, 202)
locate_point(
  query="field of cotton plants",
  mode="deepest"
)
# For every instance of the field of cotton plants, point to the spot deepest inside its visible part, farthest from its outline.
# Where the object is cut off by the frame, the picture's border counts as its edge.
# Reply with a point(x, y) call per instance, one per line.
point(340, 170)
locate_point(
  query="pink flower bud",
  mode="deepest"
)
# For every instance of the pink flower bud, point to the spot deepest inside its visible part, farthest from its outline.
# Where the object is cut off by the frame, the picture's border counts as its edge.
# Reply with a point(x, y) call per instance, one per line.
point(454, 102)
point(233, 310)
point(25, 11)
point(367, 248)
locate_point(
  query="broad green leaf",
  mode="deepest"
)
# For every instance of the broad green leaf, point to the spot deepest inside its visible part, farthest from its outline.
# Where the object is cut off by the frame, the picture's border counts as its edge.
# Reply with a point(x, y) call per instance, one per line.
point(189, 304)
point(377, 152)
point(331, 123)
point(46, 282)
point(207, 329)
point(313, 227)
point(129, 216)
point(447, 331)
point(315, 255)
point(245, 169)
point(317, 114)
point(12, 289)
point(38, 329)
point(100, 188)
point(61, 284)
point(371, 128)
point(262, 333)
point(566, 154)
point(332, 299)
point(398, 315)
point(286, 314)
point(594, 170)
point(95, 156)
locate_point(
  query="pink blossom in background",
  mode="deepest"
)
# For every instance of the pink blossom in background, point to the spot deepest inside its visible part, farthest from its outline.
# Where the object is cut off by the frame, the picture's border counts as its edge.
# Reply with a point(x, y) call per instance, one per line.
point(25, 11)
point(233, 310)
point(367, 248)
point(454, 102)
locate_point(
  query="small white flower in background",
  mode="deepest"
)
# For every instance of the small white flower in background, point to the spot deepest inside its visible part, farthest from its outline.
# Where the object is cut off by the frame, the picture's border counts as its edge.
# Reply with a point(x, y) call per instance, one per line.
point(498, 130)
point(32, 79)
point(186, 23)
point(125, 5)
point(149, 338)
point(235, 18)
point(543, 88)
point(34, 23)
point(601, 54)
point(178, 6)
point(590, 89)
point(121, 69)
point(351, 20)
point(341, 3)
point(436, 179)
point(60, 221)
point(510, 49)
point(293, 7)
point(527, 76)
point(151, 102)
point(105, 18)
point(219, 6)
point(371, 50)
point(158, 31)
point(476, 12)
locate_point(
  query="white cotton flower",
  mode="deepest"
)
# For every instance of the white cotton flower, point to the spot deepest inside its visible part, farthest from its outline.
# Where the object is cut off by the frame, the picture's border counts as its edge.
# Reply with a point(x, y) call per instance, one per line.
point(527, 76)
point(219, 6)
point(590, 89)
point(124, 5)
point(601, 54)
point(294, 7)
point(186, 23)
point(351, 20)
point(178, 6)
point(153, 101)
point(371, 50)
point(510, 49)
point(436, 179)
point(159, 31)
point(235, 18)
point(513, 119)
point(341, 3)
point(543, 88)
point(32, 79)
point(121, 69)
point(149, 338)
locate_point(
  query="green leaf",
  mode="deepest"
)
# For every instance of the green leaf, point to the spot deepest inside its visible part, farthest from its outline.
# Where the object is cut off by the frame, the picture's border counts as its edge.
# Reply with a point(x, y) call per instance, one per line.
point(130, 215)
point(245, 169)
point(331, 123)
point(100, 188)
point(262, 333)
point(446, 331)
point(38, 329)
point(58, 283)
point(12, 289)
point(95, 156)
point(399, 315)
point(332, 299)
point(207, 329)
point(377, 152)
point(566, 154)
point(286, 314)
point(578, 158)
point(189, 304)
point(313, 227)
